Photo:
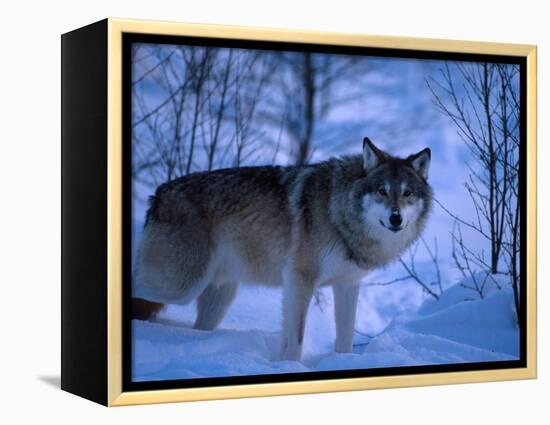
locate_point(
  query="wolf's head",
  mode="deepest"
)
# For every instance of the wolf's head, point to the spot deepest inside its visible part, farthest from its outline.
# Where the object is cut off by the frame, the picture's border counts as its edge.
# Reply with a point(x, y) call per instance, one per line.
point(396, 194)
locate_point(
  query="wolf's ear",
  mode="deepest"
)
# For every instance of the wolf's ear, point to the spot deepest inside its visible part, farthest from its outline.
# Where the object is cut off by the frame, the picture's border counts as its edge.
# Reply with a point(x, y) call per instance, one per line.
point(372, 156)
point(421, 162)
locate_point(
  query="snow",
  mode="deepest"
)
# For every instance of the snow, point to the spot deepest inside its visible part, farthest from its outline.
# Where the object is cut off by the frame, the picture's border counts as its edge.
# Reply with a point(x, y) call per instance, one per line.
point(458, 321)
point(460, 327)
point(171, 352)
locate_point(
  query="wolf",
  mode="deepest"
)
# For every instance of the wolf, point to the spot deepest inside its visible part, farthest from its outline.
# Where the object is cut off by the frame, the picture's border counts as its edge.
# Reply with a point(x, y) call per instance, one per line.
point(295, 227)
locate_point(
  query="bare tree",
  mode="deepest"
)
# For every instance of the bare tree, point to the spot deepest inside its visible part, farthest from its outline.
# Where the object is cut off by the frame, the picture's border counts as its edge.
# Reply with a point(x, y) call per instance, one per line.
point(468, 262)
point(306, 82)
point(166, 133)
point(217, 111)
point(434, 287)
point(208, 99)
point(481, 99)
point(247, 96)
point(509, 117)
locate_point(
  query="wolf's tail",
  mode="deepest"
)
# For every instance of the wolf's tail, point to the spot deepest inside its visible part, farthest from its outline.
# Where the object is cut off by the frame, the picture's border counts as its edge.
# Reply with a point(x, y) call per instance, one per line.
point(145, 310)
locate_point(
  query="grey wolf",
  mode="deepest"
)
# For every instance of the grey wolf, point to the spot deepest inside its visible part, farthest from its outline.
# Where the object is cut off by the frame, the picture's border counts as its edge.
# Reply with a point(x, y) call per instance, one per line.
point(295, 227)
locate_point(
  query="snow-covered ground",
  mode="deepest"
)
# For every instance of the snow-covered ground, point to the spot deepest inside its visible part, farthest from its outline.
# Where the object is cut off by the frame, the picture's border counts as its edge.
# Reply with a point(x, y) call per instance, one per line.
point(458, 328)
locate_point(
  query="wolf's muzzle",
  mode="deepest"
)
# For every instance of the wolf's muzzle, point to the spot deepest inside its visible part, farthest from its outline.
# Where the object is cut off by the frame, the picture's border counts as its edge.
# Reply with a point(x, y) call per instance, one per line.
point(395, 218)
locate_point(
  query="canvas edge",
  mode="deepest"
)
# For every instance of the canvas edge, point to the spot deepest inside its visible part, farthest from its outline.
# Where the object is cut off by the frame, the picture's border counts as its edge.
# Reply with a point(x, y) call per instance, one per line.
point(116, 27)
point(83, 224)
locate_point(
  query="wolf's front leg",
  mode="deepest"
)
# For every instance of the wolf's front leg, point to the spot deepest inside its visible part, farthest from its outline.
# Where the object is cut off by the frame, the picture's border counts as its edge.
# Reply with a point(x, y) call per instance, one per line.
point(297, 294)
point(345, 307)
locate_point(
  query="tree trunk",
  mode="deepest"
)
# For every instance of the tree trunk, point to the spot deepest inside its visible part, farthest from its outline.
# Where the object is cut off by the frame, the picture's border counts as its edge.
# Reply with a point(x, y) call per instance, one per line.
point(309, 110)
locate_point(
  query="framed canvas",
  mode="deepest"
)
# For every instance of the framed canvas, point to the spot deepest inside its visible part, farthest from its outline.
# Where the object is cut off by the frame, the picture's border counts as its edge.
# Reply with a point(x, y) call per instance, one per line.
point(251, 212)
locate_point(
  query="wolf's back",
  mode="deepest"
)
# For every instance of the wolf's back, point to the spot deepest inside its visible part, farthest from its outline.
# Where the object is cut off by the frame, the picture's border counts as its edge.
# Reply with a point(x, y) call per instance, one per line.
point(220, 192)
point(210, 227)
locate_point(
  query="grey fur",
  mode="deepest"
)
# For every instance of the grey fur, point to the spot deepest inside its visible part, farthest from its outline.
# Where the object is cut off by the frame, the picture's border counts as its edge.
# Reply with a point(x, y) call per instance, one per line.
point(295, 227)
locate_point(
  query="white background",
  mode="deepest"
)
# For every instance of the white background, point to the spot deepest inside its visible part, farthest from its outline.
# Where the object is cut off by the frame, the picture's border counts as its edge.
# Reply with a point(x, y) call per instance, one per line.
point(30, 211)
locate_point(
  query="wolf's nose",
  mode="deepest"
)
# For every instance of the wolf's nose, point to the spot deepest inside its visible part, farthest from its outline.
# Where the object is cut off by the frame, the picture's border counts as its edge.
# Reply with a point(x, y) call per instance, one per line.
point(395, 219)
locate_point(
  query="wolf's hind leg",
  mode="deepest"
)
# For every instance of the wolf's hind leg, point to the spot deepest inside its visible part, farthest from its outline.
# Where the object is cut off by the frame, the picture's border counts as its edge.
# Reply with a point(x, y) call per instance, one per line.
point(213, 303)
point(345, 307)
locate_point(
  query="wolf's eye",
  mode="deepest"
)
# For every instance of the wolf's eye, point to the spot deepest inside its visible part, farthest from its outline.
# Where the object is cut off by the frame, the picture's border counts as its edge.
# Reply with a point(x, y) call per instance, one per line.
point(382, 191)
point(407, 193)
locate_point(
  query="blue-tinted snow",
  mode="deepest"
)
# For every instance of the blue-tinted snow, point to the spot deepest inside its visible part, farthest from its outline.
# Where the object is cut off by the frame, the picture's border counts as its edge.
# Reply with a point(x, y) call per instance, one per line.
point(455, 329)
